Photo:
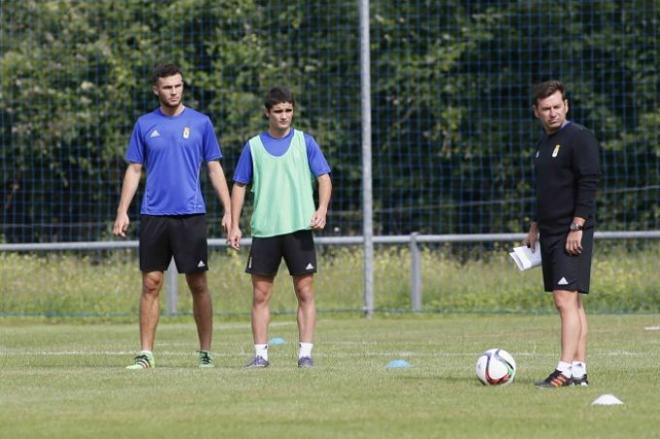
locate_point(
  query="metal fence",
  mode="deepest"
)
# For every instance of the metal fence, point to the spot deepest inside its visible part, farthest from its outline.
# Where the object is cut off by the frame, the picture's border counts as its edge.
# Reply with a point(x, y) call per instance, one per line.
point(422, 109)
point(413, 241)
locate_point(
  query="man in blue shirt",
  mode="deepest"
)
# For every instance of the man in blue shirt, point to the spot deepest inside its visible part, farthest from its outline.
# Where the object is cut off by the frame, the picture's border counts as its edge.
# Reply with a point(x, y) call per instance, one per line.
point(171, 142)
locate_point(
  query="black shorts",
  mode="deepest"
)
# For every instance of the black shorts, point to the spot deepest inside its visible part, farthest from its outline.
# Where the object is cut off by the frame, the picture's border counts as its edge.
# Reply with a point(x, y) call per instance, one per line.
point(181, 236)
point(562, 271)
point(296, 248)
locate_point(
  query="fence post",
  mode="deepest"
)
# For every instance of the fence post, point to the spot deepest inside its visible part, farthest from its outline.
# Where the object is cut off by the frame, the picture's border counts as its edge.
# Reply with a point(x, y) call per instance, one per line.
point(172, 287)
point(415, 274)
point(367, 189)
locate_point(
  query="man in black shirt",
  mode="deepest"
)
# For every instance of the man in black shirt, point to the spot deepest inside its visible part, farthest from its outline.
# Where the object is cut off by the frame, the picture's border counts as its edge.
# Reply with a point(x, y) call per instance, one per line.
point(567, 169)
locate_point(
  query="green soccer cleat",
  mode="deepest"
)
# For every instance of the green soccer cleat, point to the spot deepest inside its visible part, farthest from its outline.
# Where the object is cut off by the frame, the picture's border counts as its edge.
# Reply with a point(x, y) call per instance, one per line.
point(205, 360)
point(144, 360)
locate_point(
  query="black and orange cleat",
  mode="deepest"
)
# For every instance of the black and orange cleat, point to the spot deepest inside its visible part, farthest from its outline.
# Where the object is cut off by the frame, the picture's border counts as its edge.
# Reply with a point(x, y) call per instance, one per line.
point(555, 379)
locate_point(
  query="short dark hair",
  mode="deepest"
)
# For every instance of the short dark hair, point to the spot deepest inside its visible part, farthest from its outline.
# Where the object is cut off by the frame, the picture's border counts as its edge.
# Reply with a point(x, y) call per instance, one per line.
point(164, 71)
point(544, 89)
point(278, 95)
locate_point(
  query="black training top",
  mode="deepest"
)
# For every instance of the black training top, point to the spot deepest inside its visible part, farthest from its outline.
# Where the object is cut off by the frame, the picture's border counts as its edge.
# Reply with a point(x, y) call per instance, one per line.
point(567, 165)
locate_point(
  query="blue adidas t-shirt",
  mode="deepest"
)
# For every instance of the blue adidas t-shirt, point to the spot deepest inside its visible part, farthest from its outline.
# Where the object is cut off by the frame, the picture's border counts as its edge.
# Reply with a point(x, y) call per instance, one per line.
point(172, 149)
point(277, 147)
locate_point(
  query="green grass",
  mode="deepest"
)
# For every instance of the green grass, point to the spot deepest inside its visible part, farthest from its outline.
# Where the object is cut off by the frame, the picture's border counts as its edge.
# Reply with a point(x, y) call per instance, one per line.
point(454, 279)
point(68, 380)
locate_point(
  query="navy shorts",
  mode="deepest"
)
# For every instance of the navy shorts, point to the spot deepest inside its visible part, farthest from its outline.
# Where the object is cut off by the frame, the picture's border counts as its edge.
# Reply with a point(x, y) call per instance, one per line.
point(182, 237)
point(296, 248)
point(562, 271)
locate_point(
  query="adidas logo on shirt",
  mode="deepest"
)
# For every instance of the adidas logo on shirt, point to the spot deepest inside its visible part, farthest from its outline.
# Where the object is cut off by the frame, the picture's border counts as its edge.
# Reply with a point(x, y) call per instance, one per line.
point(309, 266)
point(201, 264)
point(562, 281)
point(154, 133)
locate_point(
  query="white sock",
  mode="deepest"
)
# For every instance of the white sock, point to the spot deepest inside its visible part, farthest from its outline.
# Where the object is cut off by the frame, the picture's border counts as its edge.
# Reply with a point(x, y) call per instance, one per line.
point(579, 369)
point(565, 368)
point(261, 350)
point(305, 350)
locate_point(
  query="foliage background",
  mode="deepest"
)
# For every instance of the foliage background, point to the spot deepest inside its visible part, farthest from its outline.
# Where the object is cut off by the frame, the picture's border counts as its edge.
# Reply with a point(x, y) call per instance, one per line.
point(453, 133)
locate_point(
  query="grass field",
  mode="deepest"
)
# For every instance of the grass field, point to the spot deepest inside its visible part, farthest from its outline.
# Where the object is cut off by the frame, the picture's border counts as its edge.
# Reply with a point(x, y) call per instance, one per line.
point(68, 380)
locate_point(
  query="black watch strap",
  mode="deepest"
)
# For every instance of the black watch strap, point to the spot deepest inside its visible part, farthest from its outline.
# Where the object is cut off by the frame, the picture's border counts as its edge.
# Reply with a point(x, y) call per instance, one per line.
point(575, 227)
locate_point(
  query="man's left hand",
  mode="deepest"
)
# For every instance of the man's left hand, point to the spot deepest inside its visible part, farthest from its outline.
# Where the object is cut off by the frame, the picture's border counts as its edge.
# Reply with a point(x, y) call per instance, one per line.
point(318, 220)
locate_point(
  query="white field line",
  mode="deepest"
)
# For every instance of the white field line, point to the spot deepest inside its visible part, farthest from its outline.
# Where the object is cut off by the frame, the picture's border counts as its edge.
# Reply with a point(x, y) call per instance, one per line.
point(220, 326)
point(23, 352)
point(103, 353)
point(229, 325)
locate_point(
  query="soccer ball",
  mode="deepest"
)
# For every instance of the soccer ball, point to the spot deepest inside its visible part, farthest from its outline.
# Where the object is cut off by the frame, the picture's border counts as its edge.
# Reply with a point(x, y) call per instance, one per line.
point(496, 367)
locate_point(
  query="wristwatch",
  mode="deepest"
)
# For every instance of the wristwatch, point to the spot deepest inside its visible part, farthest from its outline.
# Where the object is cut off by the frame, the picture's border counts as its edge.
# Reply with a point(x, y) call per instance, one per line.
point(574, 227)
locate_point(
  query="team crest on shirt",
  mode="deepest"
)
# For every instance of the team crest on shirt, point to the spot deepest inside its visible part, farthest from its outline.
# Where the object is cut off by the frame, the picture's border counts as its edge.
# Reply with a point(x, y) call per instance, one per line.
point(186, 132)
point(556, 150)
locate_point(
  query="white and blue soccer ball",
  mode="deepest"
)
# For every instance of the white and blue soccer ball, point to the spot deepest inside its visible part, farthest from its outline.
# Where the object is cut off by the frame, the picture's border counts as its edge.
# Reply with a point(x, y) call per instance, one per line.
point(496, 367)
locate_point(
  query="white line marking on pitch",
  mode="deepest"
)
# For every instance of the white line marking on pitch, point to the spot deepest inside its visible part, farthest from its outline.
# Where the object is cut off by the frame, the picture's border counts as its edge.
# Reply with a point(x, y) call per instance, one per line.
point(407, 354)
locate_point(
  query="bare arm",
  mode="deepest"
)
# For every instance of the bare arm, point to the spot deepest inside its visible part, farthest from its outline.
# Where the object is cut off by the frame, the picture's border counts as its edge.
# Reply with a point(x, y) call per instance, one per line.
point(325, 190)
point(219, 183)
point(237, 200)
point(128, 189)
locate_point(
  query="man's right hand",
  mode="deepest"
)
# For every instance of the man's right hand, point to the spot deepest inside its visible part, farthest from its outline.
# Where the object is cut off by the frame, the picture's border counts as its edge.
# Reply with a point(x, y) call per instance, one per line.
point(234, 238)
point(121, 225)
point(532, 237)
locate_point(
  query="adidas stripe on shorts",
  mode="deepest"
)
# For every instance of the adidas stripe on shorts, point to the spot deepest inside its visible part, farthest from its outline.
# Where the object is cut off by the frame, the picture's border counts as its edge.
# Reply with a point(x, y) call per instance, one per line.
point(562, 271)
point(297, 250)
point(180, 236)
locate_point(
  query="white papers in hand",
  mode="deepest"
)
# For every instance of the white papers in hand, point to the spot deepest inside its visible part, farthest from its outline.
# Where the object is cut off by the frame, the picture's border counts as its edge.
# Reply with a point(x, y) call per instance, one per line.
point(524, 258)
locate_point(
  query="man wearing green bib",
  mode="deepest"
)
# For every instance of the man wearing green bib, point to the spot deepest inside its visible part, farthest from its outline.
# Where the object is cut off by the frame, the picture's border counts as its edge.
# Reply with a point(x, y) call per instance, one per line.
point(281, 164)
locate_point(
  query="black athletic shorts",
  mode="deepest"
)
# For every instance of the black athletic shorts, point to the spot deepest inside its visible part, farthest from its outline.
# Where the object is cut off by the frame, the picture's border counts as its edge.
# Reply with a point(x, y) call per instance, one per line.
point(562, 271)
point(296, 248)
point(181, 236)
